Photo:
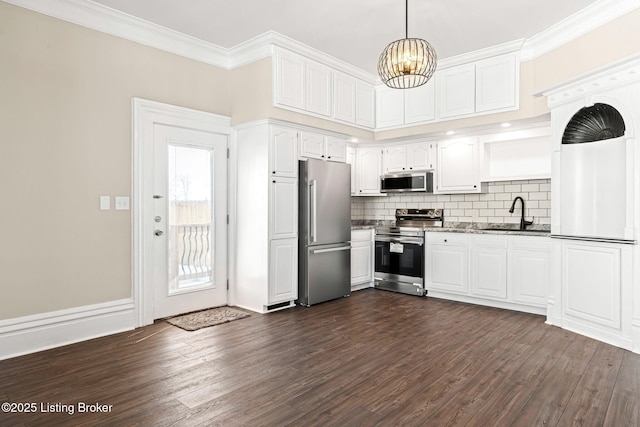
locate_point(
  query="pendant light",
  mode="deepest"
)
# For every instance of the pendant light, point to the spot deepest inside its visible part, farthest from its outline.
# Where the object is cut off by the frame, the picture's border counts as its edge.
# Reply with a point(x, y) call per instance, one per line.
point(407, 63)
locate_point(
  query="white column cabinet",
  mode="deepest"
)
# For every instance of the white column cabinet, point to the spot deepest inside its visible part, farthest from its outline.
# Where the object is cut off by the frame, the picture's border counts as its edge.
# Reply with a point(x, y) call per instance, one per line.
point(283, 270)
point(283, 202)
point(361, 256)
point(458, 166)
point(266, 217)
point(283, 152)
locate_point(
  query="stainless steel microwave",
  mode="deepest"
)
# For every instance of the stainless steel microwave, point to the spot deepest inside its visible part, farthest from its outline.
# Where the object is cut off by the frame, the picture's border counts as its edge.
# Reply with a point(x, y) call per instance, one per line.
point(407, 181)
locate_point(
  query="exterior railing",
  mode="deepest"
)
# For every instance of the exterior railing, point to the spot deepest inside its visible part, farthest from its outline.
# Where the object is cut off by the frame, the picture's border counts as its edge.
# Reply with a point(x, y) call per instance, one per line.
point(192, 257)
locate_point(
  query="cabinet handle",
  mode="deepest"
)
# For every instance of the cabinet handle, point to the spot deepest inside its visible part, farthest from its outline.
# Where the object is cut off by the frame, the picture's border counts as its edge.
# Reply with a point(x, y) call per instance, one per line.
point(328, 157)
point(474, 186)
point(410, 168)
point(274, 181)
point(273, 172)
point(322, 156)
point(445, 240)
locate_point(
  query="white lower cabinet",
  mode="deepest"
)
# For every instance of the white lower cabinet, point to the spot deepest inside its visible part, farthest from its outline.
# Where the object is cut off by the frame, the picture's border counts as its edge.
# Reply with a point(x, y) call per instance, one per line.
point(489, 266)
point(447, 260)
point(361, 257)
point(505, 271)
point(283, 270)
point(530, 270)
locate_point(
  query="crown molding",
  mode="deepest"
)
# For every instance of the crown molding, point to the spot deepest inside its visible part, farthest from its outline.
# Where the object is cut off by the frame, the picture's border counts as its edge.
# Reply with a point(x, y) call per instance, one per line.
point(265, 44)
point(106, 20)
point(586, 20)
point(479, 54)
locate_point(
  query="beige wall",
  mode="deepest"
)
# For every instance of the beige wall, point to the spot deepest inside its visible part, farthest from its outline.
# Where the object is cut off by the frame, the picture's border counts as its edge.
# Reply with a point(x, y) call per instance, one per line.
point(65, 139)
point(617, 40)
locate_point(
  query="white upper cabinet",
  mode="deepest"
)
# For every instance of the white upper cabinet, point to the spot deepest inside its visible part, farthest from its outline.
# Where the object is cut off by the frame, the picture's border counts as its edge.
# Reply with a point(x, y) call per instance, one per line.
point(368, 170)
point(283, 159)
point(344, 97)
point(318, 89)
point(497, 83)
point(458, 166)
point(395, 158)
point(408, 157)
point(351, 159)
point(365, 104)
point(311, 87)
point(311, 145)
point(335, 149)
point(455, 91)
point(303, 84)
point(395, 107)
point(419, 103)
point(354, 100)
point(317, 146)
point(389, 107)
point(290, 77)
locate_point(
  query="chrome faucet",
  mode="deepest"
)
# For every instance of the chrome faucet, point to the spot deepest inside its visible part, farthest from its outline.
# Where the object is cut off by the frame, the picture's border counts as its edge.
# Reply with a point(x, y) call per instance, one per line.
point(523, 222)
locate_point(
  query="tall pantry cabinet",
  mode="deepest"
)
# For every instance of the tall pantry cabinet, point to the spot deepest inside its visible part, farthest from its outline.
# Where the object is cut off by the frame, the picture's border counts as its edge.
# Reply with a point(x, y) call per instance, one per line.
point(266, 217)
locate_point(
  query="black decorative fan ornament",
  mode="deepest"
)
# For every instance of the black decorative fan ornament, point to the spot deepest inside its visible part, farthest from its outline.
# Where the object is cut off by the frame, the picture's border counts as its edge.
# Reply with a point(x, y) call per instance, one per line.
point(595, 123)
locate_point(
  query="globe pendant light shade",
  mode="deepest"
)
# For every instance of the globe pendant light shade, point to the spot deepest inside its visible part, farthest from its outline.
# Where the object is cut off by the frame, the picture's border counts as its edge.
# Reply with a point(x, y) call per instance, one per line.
point(407, 63)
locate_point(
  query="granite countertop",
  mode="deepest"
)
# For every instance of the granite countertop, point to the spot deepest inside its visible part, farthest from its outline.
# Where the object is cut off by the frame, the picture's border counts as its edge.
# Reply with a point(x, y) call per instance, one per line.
point(466, 227)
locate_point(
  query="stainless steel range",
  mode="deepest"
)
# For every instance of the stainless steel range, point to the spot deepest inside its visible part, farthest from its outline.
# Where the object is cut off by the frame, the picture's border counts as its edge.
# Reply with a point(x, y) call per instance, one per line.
point(400, 250)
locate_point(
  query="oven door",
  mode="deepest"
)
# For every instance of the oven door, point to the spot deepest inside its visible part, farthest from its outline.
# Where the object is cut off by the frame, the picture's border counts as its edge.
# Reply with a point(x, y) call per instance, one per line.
point(399, 259)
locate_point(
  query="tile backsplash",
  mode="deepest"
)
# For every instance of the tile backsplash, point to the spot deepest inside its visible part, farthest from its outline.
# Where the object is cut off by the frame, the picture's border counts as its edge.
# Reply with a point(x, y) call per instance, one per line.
point(490, 207)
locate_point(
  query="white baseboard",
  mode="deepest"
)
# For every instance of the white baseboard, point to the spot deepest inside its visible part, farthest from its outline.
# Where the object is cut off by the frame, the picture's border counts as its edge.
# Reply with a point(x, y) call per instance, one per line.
point(39, 332)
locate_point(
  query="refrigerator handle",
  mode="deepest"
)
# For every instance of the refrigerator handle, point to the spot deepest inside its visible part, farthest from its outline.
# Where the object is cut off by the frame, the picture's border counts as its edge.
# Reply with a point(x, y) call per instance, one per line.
point(313, 199)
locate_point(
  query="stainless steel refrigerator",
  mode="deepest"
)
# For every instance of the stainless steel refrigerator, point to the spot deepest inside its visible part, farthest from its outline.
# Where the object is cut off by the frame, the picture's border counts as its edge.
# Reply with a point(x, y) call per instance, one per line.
point(324, 238)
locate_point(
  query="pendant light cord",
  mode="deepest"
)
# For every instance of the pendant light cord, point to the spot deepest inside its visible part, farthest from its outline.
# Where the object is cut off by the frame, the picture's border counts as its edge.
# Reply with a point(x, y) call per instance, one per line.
point(406, 19)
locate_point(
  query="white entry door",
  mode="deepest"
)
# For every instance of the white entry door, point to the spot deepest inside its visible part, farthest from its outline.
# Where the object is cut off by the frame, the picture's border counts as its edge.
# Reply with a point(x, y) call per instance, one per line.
point(190, 220)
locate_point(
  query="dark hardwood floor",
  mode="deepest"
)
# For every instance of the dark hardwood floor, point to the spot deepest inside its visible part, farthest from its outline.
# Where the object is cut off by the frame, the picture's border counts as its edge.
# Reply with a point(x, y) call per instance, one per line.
point(375, 358)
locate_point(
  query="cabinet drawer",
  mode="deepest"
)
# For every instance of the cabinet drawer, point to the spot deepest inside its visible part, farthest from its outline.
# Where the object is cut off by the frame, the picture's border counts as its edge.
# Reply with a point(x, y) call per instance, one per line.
point(447, 239)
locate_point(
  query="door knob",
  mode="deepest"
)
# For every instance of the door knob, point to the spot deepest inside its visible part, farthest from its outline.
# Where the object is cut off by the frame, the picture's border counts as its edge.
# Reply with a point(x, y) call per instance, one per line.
point(158, 232)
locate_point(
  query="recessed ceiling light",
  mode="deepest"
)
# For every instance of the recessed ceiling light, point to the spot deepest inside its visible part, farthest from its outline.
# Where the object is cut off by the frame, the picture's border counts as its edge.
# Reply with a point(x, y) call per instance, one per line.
point(505, 124)
point(353, 139)
point(450, 132)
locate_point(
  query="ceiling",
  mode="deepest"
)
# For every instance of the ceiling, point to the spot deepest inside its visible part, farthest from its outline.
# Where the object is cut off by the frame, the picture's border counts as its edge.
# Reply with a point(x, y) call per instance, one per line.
point(356, 31)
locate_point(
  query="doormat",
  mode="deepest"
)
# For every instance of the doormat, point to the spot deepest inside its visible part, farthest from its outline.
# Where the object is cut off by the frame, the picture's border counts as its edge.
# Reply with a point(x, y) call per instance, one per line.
point(206, 318)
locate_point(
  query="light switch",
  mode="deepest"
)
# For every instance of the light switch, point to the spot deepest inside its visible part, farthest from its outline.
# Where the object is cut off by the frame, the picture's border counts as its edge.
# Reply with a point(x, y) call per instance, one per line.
point(105, 203)
point(122, 203)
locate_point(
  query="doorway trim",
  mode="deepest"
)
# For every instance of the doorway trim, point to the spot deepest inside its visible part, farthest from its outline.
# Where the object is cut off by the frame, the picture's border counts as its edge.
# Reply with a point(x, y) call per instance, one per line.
point(145, 114)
